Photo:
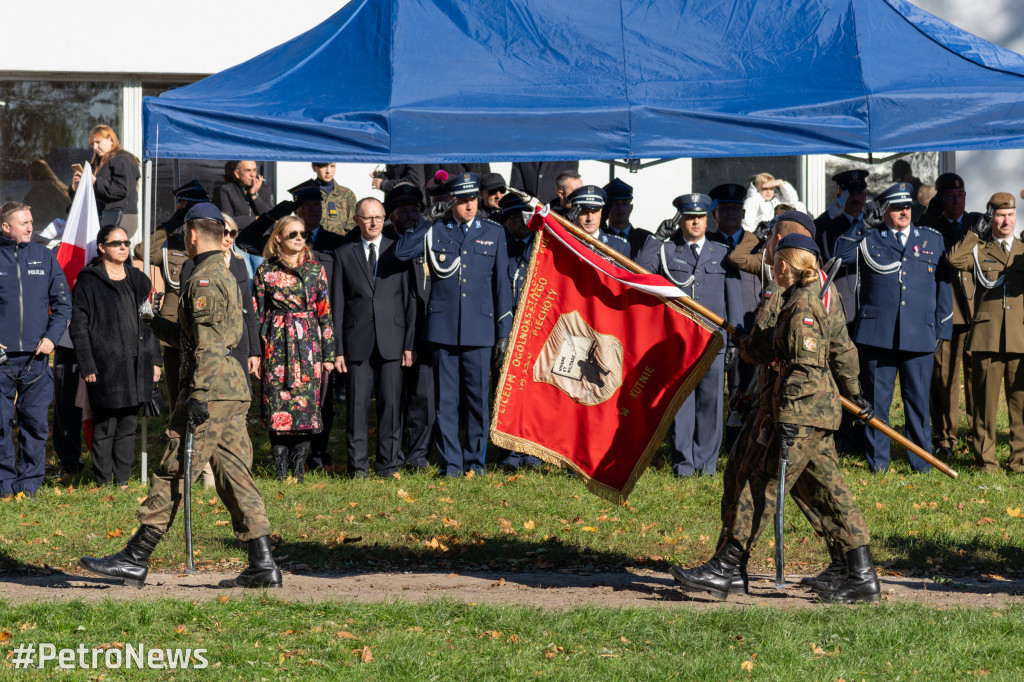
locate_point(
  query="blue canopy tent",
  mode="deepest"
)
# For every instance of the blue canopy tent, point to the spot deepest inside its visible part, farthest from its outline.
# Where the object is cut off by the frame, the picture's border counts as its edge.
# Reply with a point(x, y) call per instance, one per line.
point(422, 81)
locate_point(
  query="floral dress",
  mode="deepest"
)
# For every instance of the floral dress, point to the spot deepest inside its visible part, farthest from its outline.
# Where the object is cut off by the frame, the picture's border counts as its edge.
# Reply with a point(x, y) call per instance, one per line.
point(298, 336)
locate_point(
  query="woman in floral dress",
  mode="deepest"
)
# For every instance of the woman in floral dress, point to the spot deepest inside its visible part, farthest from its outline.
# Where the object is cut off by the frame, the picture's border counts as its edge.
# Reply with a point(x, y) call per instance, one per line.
point(292, 302)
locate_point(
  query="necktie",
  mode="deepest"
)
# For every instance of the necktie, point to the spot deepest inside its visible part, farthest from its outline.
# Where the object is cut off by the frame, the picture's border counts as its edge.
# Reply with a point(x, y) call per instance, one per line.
point(1006, 247)
point(901, 238)
point(695, 250)
point(465, 229)
point(372, 260)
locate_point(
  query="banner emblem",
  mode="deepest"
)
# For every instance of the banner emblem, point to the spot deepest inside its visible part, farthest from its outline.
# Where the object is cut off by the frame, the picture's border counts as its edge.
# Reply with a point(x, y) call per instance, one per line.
point(581, 362)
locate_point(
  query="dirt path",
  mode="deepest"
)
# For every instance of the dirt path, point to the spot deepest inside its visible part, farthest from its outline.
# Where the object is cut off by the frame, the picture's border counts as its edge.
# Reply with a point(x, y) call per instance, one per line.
point(549, 590)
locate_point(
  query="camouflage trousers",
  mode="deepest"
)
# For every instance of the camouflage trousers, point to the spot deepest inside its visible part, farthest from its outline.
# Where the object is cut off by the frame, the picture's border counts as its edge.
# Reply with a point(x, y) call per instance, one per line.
point(814, 475)
point(223, 441)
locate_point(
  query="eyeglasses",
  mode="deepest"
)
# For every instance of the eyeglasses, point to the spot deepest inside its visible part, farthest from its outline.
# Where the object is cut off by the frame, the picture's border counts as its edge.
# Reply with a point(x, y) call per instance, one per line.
point(118, 242)
point(372, 218)
point(231, 233)
point(293, 235)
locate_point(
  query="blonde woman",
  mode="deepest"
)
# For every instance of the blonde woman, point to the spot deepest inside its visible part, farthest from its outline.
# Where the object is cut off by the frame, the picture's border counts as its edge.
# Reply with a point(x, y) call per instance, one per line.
point(115, 179)
point(297, 334)
point(764, 193)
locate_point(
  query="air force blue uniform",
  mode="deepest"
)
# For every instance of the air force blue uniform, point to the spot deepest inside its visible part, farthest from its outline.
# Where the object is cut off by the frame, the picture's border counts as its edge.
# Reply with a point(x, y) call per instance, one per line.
point(34, 304)
point(698, 424)
point(470, 307)
point(905, 305)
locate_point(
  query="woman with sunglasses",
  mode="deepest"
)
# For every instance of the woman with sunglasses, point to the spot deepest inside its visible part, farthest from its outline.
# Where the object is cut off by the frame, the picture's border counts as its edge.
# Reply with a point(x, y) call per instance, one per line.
point(247, 352)
point(118, 357)
point(294, 310)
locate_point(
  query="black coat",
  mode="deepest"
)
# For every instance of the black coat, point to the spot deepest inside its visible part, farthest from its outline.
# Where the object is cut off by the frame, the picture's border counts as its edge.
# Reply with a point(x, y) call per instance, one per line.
point(371, 310)
point(98, 324)
point(537, 178)
point(249, 345)
point(232, 200)
point(117, 183)
point(403, 172)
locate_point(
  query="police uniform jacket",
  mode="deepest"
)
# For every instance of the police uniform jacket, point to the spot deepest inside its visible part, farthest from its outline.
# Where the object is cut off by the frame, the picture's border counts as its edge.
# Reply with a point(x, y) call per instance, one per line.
point(829, 230)
point(997, 325)
point(750, 284)
point(470, 295)
point(634, 237)
point(617, 244)
point(34, 299)
point(703, 279)
point(905, 301)
point(519, 253)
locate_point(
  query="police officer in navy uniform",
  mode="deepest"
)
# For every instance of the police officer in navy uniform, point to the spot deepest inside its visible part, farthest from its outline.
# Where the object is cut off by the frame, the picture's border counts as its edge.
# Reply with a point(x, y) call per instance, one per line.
point(403, 206)
point(695, 263)
point(727, 210)
point(35, 308)
point(585, 206)
point(469, 316)
point(513, 213)
point(844, 213)
point(904, 313)
point(616, 214)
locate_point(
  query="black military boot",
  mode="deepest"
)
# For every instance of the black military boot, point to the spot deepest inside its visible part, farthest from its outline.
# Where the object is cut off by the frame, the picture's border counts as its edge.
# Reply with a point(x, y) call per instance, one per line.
point(716, 576)
point(299, 455)
point(261, 571)
point(833, 576)
point(861, 582)
point(131, 564)
point(740, 581)
point(280, 453)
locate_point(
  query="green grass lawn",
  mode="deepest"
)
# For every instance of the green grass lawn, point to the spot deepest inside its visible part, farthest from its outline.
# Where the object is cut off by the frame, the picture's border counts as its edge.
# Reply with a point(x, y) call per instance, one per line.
point(259, 638)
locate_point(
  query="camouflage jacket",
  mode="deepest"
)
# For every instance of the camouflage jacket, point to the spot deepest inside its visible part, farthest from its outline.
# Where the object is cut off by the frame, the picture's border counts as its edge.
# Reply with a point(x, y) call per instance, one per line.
point(339, 210)
point(209, 325)
point(812, 345)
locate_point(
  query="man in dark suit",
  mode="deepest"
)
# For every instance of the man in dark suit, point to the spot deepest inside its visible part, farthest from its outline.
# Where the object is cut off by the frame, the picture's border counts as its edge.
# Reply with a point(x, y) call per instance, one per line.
point(246, 197)
point(617, 212)
point(374, 328)
point(403, 205)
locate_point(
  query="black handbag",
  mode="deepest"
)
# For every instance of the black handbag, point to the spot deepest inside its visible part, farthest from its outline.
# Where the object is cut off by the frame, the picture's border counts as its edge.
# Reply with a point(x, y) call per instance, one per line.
point(111, 216)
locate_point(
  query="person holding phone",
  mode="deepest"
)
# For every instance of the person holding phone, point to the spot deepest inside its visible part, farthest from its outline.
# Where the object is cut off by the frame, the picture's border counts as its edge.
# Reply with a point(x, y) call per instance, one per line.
point(115, 180)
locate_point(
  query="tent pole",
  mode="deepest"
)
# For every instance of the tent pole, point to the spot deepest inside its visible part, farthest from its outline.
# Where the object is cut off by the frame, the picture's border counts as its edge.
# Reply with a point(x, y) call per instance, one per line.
point(147, 218)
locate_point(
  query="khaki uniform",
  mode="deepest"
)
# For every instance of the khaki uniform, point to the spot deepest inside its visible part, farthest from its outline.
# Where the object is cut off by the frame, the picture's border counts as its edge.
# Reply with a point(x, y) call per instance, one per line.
point(209, 324)
point(814, 351)
point(996, 342)
point(954, 354)
point(339, 210)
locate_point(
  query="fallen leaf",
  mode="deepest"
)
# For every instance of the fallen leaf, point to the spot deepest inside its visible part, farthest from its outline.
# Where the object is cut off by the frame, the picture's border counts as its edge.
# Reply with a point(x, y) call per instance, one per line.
point(116, 533)
point(589, 529)
point(984, 520)
point(500, 582)
point(221, 523)
point(223, 599)
point(353, 505)
point(366, 656)
point(345, 634)
point(818, 651)
point(514, 639)
point(529, 525)
point(878, 505)
point(506, 526)
point(414, 628)
point(451, 523)
point(180, 629)
point(5, 636)
point(397, 475)
point(58, 533)
point(402, 493)
point(747, 665)
point(624, 640)
point(1015, 512)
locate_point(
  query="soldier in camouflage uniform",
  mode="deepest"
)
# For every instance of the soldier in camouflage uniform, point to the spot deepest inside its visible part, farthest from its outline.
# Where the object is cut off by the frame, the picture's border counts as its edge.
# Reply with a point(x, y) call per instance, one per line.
point(806, 411)
point(209, 324)
point(339, 203)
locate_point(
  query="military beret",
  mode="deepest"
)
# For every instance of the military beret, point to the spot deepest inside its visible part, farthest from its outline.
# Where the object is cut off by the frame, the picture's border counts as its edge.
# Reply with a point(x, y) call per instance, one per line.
point(948, 181)
point(1001, 200)
point(852, 180)
point(588, 196)
point(463, 185)
point(803, 219)
point(692, 204)
point(797, 241)
point(899, 195)
point(617, 189)
point(729, 193)
point(492, 181)
point(306, 192)
point(509, 205)
point(402, 194)
point(192, 191)
point(205, 210)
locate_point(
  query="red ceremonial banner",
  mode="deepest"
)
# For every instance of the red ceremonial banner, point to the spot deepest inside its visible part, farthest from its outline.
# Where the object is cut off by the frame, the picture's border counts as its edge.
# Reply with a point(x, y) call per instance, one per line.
point(597, 366)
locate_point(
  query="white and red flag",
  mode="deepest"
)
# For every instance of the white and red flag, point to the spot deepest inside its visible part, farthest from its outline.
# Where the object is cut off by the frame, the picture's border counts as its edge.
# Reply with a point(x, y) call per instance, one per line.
point(78, 244)
point(599, 361)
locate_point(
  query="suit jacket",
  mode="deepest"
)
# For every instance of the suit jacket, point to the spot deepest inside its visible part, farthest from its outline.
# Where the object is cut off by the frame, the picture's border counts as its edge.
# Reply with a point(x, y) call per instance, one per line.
point(470, 296)
point(231, 199)
point(704, 279)
point(537, 178)
point(403, 172)
point(997, 325)
point(324, 245)
point(372, 308)
point(905, 299)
